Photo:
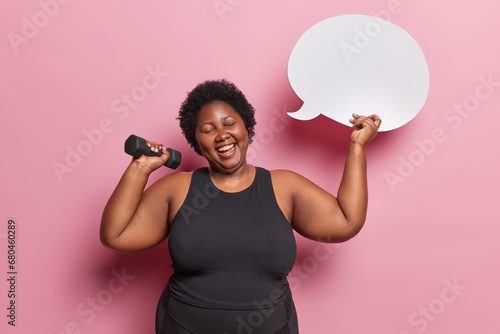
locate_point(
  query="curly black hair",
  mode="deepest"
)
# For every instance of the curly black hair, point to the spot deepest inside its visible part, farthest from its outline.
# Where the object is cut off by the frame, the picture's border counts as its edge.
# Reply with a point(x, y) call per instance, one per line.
point(206, 93)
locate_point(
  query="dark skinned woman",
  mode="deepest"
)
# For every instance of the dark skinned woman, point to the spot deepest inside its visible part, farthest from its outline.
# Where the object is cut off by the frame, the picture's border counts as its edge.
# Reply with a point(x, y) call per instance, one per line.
point(230, 225)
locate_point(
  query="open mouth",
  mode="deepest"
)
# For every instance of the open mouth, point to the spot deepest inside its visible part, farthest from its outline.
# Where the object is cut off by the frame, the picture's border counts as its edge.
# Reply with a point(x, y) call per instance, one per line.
point(226, 150)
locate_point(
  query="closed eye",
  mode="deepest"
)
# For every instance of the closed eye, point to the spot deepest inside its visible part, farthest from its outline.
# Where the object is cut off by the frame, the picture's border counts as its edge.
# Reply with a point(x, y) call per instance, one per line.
point(207, 129)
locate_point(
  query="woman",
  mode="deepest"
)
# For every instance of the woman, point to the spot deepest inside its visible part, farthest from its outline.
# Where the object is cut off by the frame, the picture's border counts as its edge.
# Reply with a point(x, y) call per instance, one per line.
point(230, 224)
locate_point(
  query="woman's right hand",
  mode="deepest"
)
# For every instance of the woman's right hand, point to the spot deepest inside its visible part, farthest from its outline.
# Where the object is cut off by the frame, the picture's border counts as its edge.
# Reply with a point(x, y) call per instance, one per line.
point(151, 163)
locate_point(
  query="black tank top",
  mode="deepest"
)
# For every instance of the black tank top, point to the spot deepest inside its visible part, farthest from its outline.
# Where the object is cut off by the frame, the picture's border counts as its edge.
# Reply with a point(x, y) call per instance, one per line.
point(231, 250)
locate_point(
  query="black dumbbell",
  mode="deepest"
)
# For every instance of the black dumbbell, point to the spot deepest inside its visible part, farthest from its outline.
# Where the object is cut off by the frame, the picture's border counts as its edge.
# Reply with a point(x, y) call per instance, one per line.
point(137, 146)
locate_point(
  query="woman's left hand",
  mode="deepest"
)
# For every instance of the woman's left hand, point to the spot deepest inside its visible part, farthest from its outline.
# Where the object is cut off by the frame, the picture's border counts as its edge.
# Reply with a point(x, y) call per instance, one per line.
point(365, 128)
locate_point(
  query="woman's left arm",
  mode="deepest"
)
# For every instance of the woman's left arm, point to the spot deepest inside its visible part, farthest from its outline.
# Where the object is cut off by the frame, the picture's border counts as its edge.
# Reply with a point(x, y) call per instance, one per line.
point(317, 214)
point(352, 195)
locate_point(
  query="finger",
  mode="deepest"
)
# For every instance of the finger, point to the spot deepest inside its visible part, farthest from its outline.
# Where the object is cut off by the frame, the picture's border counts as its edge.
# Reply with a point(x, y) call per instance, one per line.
point(356, 117)
point(370, 119)
point(377, 120)
point(359, 123)
point(362, 117)
point(154, 146)
point(165, 155)
point(150, 144)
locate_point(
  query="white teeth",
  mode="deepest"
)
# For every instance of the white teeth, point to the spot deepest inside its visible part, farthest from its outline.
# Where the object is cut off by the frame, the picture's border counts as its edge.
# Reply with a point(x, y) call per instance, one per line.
point(225, 148)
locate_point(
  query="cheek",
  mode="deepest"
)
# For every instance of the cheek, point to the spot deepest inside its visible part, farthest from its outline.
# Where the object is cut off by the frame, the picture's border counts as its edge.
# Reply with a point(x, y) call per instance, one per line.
point(245, 134)
point(242, 136)
point(200, 142)
point(203, 143)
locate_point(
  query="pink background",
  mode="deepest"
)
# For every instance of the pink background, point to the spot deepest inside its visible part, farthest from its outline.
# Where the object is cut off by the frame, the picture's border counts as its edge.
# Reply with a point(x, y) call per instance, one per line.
point(434, 227)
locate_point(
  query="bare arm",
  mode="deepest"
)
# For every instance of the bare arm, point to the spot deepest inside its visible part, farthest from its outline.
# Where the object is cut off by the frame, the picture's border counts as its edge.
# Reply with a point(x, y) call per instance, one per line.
point(352, 196)
point(317, 214)
point(134, 219)
point(353, 191)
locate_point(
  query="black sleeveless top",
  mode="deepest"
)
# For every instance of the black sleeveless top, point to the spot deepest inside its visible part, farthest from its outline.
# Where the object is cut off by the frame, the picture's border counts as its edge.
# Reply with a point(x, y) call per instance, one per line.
point(230, 250)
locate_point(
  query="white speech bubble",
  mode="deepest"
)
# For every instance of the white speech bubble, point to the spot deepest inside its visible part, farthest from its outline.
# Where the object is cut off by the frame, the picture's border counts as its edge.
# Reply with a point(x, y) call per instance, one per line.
point(358, 64)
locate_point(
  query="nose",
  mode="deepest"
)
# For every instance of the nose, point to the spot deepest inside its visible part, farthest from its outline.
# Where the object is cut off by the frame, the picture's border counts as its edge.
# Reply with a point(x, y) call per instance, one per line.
point(222, 135)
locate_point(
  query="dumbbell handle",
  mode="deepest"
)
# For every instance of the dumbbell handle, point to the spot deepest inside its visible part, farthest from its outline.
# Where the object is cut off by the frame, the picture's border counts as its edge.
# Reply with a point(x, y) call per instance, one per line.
point(137, 146)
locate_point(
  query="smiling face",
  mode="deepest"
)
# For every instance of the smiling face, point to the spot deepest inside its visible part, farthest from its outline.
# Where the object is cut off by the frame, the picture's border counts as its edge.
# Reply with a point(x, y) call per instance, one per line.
point(222, 137)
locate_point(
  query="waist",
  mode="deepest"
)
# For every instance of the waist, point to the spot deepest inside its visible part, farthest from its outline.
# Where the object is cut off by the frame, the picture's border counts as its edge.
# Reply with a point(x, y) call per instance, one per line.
point(228, 289)
point(267, 318)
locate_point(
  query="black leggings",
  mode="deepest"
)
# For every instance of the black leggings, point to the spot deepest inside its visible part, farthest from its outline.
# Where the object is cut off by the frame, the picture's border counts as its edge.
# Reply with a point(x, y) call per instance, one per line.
point(175, 317)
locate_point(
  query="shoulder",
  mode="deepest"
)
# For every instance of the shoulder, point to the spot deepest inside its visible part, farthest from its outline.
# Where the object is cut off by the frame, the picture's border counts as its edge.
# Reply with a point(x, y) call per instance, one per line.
point(288, 181)
point(175, 180)
point(176, 177)
point(283, 176)
point(295, 184)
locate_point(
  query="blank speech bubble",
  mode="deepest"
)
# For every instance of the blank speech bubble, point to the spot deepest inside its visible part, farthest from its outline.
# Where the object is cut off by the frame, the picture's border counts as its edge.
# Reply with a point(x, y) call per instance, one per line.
point(358, 64)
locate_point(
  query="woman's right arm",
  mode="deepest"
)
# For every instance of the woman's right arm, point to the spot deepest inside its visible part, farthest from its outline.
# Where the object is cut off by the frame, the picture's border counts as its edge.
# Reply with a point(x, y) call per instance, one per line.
point(134, 219)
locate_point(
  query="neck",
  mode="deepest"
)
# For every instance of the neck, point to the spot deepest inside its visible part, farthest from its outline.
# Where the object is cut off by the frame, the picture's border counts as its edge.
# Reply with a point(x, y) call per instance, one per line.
point(238, 178)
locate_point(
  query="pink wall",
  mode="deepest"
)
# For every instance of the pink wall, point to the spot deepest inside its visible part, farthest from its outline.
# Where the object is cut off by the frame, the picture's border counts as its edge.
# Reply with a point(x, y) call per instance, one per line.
point(427, 259)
